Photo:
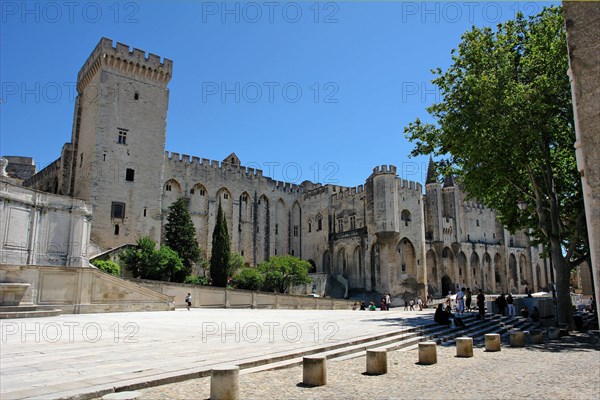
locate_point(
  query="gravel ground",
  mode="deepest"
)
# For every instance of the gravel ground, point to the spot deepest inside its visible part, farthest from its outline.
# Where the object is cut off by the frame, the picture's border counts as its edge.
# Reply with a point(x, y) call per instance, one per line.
point(565, 369)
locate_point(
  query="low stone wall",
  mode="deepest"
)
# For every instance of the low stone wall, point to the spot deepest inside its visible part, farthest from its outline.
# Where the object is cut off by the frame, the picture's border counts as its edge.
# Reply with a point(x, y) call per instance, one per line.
point(82, 290)
point(209, 296)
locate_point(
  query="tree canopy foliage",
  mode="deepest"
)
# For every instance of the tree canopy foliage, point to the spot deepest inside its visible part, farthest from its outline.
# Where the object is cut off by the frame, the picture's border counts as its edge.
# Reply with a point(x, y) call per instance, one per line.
point(219, 260)
point(180, 235)
point(505, 127)
point(281, 272)
point(146, 262)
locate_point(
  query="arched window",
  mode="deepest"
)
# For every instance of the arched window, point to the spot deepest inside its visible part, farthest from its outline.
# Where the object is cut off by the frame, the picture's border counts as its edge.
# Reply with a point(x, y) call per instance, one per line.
point(405, 216)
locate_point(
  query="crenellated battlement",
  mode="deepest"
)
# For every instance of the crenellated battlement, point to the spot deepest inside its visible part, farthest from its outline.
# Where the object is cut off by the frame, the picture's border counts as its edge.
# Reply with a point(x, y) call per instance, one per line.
point(208, 165)
point(135, 62)
point(384, 169)
point(346, 192)
point(411, 185)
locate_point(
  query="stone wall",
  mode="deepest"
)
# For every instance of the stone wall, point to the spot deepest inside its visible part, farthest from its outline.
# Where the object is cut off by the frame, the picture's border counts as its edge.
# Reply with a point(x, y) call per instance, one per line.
point(83, 290)
point(42, 228)
point(208, 296)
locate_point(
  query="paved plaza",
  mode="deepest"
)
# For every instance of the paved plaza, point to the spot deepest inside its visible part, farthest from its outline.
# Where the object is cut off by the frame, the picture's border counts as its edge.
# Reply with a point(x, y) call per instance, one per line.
point(565, 369)
point(73, 355)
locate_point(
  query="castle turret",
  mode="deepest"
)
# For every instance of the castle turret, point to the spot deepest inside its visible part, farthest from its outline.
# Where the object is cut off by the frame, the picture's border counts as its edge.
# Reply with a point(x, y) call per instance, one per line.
point(118, 141)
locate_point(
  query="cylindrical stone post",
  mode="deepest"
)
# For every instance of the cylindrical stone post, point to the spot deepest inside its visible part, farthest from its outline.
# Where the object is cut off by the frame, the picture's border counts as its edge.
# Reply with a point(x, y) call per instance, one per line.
point(377, 361)
point(492, 342)
point(464, 347)
point(537, 337)
point(517, 338)
point(314, 370)
point(553, 333)
point(427, 353)
point(225, 383)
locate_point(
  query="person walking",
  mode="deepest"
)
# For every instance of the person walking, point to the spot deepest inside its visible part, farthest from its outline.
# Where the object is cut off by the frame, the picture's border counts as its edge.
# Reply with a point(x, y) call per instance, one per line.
point(412, 305)
point(481, 304)
point(188, 300)
point(420, 304)
point(510, 302)
point(388, 301)
point(468, 299)
point(460, 301)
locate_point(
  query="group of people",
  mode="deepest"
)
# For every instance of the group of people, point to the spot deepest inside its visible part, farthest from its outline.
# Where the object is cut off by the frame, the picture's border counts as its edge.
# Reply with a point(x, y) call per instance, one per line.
point(384, 304)
point(409, 305)
point(443, 316)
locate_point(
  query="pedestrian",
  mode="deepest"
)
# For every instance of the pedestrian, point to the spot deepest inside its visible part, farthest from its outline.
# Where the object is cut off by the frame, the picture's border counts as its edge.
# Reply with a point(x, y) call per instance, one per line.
point(388, 301)
point(481, 304)
point(188, 300)
point(510, 302)
point(412, 305)
point(468, 299)
point(460, 301)
point(420, 304)
point(405, 305)
point(382, 305)
point(501, 303)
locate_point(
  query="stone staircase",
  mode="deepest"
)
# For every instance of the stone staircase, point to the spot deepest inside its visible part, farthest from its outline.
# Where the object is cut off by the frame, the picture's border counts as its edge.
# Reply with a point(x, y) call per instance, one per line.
point(26, 311)
point(407, 338)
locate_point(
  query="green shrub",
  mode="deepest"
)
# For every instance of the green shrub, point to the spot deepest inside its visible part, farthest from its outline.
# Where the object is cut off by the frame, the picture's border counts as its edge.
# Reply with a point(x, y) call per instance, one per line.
point(108, 267)
point(196, 280)
point(248, 279)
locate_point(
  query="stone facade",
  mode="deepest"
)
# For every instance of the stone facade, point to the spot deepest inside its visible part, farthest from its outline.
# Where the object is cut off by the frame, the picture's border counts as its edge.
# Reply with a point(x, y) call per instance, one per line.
point(372, 237)
point(38, 228)
point(467, 246)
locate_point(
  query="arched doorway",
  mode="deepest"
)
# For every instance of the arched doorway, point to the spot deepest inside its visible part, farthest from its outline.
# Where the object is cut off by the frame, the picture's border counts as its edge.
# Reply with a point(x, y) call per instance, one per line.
point(447, 285)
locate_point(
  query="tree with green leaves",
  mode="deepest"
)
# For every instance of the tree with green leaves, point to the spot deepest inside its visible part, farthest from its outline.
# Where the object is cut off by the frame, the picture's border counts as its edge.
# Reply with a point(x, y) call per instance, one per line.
point(146, 262)
point(505, 127)
point(282, 272)
point(219, 260)
point(236, 262)
point(180, 235)
point(107, 266)
point(249, 279)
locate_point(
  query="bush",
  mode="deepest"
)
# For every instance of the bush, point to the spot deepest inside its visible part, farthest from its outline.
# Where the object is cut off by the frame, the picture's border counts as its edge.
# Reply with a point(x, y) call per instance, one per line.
point(108, 266)
point(197, 280)
point(281, 272)
point(145, 262)
point(249, 279)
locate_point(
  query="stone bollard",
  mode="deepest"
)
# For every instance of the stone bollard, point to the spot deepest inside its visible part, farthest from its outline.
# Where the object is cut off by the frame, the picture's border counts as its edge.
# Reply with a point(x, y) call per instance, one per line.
point(492, 342)
point(517, 338)
point(553, 333)
point(314, 370)
point(537, 337)
point(225, 383)
point(427, 353)
point(377, 361)
point(464, 347)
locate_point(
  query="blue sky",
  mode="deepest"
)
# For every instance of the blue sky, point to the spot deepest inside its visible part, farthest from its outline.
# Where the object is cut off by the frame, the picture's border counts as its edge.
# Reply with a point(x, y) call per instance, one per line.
point(303, 90)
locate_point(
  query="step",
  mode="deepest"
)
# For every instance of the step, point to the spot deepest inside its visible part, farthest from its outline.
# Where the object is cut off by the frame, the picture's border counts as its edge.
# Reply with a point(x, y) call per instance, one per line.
point(30, 314)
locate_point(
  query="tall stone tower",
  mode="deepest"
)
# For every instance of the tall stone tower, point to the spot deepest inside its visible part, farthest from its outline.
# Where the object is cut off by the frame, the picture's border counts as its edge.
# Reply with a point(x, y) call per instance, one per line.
point(118, 141)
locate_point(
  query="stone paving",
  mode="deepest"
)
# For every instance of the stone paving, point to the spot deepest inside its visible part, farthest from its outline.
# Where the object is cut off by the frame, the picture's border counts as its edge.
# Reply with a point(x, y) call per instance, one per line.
point(69, 355)
point(565, 369)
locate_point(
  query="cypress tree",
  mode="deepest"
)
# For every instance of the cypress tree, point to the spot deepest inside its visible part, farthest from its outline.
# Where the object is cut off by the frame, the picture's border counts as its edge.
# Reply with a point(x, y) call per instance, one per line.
point(219, 260)
point(180, 235)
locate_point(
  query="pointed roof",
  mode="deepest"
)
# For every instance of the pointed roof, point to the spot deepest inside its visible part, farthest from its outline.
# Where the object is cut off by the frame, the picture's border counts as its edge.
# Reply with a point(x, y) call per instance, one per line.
point(232, 159)
point(431, 174)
